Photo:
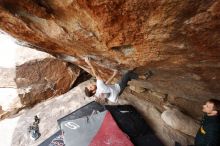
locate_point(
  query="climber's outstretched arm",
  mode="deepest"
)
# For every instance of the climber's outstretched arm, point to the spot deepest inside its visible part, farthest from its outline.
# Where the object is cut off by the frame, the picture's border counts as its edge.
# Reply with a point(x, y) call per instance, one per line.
point(112, 77)
point(87, 60)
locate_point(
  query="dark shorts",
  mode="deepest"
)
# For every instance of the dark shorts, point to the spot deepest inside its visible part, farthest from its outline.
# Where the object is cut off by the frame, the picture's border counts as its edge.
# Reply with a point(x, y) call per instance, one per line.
point(125, 78)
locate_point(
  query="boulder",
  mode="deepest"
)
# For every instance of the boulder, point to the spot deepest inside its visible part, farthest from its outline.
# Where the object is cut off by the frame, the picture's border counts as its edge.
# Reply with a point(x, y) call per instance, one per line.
point(193, 108)
point(178, 39)
point(40, 80)
point(37, 76)
point(179, 121)
point(137, 89)
point(178, 83)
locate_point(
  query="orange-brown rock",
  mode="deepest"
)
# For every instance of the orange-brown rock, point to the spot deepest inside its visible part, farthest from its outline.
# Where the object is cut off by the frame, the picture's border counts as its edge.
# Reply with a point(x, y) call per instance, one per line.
point(37, 76)
point(122, 34)
point(39, 80)
point(178, 40)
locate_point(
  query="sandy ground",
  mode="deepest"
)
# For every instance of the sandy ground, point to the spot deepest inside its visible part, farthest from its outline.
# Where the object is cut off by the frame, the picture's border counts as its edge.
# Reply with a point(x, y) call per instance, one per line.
point(7, 128)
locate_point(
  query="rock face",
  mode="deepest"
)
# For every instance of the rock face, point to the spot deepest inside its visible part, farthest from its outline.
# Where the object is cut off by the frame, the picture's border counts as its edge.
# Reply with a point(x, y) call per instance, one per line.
point(40, 76)
point(39, 80)
point(122, 34)
point(179, 83)
point(179, 121)
point(178, 40)
point(37, 76)
point(119, 33)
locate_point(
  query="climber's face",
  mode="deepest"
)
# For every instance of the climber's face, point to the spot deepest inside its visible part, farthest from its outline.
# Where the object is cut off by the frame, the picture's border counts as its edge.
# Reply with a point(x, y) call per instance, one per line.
point(92, 87)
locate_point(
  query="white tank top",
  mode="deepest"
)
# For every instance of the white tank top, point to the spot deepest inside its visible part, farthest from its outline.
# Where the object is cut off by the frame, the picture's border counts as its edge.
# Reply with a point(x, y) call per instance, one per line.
point(107, 91)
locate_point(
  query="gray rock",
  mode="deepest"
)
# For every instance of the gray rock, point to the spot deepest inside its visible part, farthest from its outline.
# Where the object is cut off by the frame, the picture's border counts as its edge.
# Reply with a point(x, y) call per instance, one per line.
point(179, 121)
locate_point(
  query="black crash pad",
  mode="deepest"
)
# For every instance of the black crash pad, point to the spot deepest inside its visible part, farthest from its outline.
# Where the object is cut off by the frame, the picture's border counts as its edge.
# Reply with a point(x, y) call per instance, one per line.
point(133, 124)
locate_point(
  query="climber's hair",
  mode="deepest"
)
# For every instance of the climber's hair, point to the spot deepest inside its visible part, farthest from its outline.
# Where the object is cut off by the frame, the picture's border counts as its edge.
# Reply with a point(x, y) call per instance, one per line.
point(216, 104)
point(88, 92)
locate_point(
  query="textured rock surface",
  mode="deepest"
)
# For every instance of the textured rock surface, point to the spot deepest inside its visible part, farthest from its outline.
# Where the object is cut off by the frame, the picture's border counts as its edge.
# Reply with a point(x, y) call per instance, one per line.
point(137, 89)
point(189, 107)
point(179, 83)
point(37, 76)
point(39, 80)
point(178, 40)
point(179, 121)
point(119, 33)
